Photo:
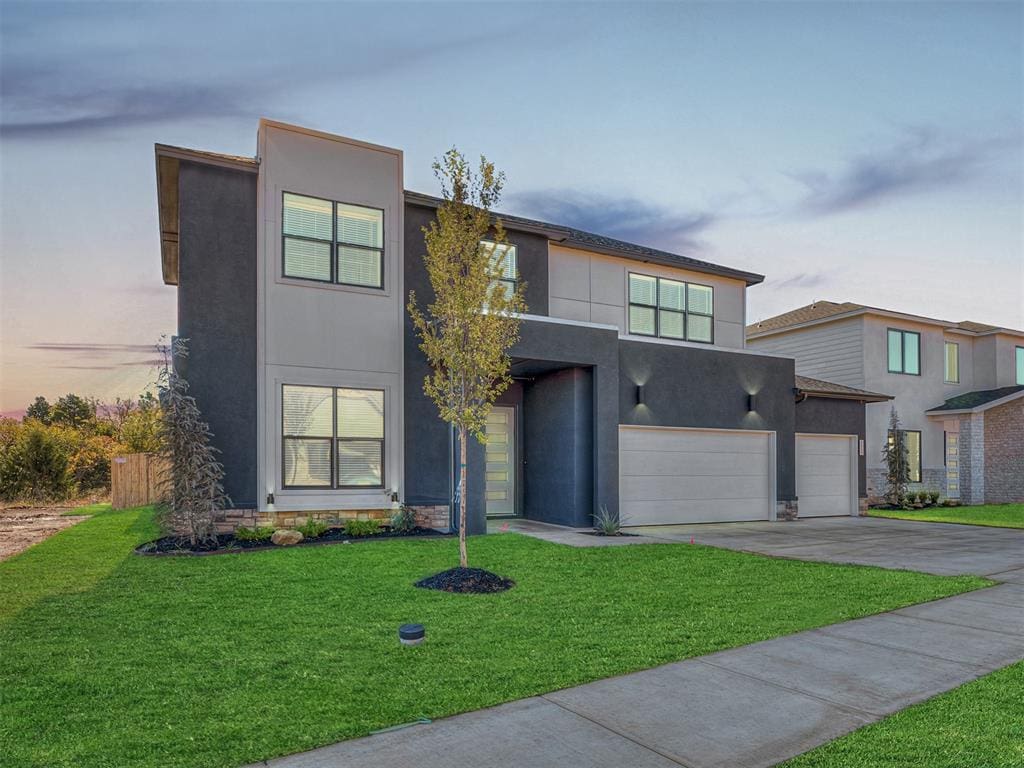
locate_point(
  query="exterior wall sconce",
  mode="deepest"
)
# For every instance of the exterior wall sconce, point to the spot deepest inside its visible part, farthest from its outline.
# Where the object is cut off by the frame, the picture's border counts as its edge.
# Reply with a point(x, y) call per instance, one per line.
point(751, 402)
point(270, 497)
point(639, 394)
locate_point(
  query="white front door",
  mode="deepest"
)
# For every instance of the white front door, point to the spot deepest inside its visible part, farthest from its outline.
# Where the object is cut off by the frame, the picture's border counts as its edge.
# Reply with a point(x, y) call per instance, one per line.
point(500, 460)
point(826, 475)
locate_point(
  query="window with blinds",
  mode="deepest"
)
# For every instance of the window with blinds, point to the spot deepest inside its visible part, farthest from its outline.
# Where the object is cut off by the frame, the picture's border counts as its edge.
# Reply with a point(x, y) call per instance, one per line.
point(332, 242)
point(504, 263)
point(952, 363)
point(670, 309)
point(332, 437)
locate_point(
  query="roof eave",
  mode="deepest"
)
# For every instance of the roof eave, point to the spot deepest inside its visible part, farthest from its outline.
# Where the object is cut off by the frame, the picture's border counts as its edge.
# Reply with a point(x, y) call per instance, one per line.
point(978, 408)
point(863, 398)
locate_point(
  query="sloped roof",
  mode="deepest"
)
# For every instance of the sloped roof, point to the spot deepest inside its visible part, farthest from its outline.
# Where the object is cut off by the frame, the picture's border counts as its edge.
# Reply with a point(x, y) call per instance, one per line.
point(823, 310)
point(978, 400)
point(822, 388)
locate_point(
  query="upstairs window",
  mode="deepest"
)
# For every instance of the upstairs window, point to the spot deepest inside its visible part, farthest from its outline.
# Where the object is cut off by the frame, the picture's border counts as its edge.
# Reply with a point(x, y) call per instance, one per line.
point(952, 361)
point(332, 242)
point(505, 259)
point(911, 439)
point(1020, 365)
point(670, 309)
point(904, 352)
point(332, 437)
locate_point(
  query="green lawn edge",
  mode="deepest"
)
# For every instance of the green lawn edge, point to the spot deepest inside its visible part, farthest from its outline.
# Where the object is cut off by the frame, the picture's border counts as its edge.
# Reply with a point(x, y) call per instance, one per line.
point(117, 659)
point(988, 515)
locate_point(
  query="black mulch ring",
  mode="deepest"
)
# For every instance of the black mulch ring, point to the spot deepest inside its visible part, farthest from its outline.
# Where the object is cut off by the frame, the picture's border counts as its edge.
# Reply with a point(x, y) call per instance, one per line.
point(466, 580)
point(226, 542)
point(602, 533)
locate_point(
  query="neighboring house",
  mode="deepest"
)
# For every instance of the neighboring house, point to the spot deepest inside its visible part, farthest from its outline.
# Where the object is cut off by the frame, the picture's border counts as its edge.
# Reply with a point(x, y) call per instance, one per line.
point(633, 389)
point(958, 389)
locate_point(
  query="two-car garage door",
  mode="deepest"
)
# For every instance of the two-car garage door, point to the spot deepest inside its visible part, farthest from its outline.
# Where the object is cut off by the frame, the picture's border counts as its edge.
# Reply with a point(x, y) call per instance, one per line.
point(671, 475)
point(674, 475)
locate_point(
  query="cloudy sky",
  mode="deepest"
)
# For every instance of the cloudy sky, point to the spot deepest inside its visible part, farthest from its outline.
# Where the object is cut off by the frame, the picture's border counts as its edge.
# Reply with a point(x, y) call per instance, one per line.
point(868, 152)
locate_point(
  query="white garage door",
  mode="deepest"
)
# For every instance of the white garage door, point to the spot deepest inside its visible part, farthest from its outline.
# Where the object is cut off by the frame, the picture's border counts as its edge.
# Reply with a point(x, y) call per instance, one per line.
point(670, 475)
point(826, 475)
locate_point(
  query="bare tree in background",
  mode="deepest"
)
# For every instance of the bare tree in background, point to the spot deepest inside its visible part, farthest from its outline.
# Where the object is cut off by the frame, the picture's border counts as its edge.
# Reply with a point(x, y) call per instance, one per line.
point(193, 491)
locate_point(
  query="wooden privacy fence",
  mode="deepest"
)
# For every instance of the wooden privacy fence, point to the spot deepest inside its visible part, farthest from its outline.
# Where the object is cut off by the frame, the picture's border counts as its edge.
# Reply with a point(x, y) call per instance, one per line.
point(136, 479)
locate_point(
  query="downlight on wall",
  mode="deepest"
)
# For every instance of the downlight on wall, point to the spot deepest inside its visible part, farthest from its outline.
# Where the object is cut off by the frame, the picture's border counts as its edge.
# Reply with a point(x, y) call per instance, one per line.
point(751, 402)
point(639, 394)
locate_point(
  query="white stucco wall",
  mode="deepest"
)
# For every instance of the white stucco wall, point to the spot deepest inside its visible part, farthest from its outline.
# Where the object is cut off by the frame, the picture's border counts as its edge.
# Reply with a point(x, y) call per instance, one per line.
point(592, 287)
point(320, 334)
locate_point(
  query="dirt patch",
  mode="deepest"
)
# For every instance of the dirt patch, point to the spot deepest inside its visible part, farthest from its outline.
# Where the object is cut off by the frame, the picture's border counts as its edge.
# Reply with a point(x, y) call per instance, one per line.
point(20, 528)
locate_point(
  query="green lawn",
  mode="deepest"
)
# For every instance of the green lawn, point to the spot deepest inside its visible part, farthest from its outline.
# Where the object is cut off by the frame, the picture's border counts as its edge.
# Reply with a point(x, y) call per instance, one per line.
point(998, 515)
point(978, 725)
point(110, 659)
point(89, 509)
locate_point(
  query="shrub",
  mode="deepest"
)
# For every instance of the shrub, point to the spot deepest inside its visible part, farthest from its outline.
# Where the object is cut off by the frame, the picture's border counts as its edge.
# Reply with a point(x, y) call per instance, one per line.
point(908, 500)
point(607, 523)
point(933, 497)
point(312, 529)
point(403, 520)
point(922, 497)
point(261, 533)
point(359, 528)
point(34, 464)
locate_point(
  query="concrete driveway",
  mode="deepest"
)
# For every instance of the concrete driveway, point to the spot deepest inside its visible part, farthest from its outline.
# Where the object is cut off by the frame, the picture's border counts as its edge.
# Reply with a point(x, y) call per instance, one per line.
point(940, 548)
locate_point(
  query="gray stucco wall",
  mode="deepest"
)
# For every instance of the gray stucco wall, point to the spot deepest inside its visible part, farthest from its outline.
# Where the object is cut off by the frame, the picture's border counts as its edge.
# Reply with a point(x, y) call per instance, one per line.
point(217, 313)
point(827, 416)
point(696, 387)
point(558, 444)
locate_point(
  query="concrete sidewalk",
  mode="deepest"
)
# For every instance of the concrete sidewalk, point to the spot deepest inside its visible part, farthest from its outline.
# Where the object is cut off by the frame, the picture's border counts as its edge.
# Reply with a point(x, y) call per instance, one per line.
point(751, 706)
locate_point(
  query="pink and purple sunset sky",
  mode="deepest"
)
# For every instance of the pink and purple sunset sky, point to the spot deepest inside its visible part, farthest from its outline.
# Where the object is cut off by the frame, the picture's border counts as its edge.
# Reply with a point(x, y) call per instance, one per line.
point(854, 152)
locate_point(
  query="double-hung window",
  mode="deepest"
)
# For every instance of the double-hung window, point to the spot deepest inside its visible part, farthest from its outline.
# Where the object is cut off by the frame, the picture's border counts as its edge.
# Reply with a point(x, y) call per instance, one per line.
point(332, 242)
point(1020, 365)
point(911, 440)
point(504, 261)
point(952, 363)
point(670, 309)
point(904, 352)
point(332, 437)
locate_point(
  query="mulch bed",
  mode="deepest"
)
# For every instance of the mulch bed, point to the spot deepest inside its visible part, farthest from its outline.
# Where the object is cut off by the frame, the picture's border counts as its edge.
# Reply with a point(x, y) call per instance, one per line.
point(226, 542)
point(466, 580)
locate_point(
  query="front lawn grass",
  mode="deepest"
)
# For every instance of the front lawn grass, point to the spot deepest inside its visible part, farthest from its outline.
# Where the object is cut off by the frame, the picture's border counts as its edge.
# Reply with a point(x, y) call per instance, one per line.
point(980, 724)
point(998, 515)
point(111, 659)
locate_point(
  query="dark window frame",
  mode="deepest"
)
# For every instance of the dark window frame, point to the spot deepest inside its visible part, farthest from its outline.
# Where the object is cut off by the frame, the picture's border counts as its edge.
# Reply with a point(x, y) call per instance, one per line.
point(334, 440)
point(334, 244)
point(920, 454)
point(945, 362)
point(685, 312)
point(514, 282)
point(1018, 351)
point(903, 352)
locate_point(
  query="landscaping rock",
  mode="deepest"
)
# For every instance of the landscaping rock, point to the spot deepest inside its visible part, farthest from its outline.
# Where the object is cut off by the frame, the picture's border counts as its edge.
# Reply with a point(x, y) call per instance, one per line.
point(286, 537)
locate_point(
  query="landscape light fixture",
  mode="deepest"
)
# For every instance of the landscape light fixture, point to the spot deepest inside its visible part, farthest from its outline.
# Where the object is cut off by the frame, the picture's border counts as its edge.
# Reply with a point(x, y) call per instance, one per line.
point(411, 634)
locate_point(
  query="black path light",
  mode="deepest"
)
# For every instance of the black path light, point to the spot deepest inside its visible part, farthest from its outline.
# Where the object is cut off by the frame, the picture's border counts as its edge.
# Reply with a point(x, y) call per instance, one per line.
point(411, 634)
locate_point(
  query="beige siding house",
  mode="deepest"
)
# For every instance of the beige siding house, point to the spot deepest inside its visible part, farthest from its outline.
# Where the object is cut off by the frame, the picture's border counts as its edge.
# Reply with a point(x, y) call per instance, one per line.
point(958, 388)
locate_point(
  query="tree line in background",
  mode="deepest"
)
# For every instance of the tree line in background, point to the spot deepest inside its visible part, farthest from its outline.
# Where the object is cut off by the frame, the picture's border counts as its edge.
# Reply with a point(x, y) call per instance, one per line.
point(62, 451)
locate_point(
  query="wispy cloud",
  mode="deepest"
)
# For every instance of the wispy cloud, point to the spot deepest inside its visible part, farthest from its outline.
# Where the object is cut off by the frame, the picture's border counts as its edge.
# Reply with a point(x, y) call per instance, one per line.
point(922, 161)
point(801, 280)
point(86, 347)
point(624, 218)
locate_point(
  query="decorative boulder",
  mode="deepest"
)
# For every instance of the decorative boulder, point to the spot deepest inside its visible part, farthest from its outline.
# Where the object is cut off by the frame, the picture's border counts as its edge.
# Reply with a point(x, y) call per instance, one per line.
point(286, 537)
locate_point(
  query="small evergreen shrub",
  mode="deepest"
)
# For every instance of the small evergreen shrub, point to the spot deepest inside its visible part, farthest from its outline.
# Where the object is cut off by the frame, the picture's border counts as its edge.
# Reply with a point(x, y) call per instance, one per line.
point(312, 529)
point(922, 497)
point(933, 497)
point(359, 528)
point(261, 533)
point(403, 520)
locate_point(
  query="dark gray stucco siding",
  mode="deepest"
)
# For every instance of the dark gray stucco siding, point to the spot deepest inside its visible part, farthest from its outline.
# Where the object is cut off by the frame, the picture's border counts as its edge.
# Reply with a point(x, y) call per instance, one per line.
point(217, 313)
point(695, 387)
point(558, 445)
point(828, 416)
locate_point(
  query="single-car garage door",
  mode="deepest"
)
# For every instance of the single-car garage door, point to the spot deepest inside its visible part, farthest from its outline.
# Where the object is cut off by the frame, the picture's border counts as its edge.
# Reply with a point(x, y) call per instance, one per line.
point(673, 475)
point(826, 475)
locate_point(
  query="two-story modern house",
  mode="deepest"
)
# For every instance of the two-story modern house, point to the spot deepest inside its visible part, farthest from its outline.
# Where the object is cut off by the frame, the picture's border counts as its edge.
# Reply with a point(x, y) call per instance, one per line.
point(958, 389)
point(633, 388)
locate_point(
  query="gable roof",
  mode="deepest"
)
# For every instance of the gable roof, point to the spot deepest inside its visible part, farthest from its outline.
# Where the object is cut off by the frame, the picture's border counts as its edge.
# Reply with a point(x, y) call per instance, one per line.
point(820, 388)
point(979, 400)
point(826, 311)
point(610, 246)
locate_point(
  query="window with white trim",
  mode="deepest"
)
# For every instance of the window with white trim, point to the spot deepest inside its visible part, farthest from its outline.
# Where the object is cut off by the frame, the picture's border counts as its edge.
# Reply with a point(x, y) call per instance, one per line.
point(671, 309)
point(332, 242)
point(952, 363)
point(332, 437)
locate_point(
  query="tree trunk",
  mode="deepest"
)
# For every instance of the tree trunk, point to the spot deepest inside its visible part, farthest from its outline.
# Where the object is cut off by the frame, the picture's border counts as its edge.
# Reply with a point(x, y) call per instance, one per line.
point(463, 559)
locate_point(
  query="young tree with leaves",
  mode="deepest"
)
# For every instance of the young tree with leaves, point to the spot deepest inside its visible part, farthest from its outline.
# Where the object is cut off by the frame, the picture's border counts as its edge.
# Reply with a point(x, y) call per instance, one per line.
point(39, 410)
point(194, 493)
point(897, 464)
point(472, 322)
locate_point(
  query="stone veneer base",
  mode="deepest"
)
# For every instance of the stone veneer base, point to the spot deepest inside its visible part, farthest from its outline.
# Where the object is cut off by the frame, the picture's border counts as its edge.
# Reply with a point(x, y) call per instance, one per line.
point(435, 517)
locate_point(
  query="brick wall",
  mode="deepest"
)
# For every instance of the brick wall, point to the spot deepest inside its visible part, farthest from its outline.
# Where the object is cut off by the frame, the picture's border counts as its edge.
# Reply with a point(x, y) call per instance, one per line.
point(1004, 453)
